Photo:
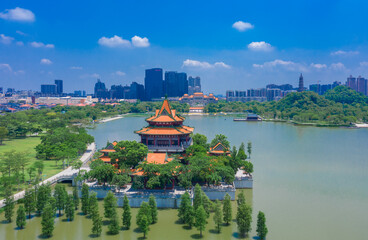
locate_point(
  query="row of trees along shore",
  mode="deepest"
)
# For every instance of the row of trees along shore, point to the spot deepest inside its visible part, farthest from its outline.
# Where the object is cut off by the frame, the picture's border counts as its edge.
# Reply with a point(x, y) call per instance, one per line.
point(42, 202)
point(194, 167)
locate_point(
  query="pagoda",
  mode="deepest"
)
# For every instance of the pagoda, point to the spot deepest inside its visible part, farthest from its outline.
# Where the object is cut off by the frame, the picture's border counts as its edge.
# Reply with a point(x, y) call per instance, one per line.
point(166, 132)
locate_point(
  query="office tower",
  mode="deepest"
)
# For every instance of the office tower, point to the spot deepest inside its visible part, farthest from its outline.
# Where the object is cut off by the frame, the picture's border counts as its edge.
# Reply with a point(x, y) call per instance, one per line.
point(325, 88)
point(176, 84)
point(10, 90)
point(1, 90)
point(351, 82)
point(301, 84)
point(137, 91)
point(59, 86)
point(117, 92)
point(194, 85)
point(272, 94)
point(100, 90)
point(361, 85)
point(153, 83)
point(283, 87)
point(48, 89)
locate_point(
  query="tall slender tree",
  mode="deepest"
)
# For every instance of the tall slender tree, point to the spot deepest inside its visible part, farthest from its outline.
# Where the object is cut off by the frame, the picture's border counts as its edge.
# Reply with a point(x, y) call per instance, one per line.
point(93, 205)
point(184, 205)
point(110, 205)
point(249, 148)
point(60, 196)
point(143, 225)
point(226, 208)
point(76, 197)
point(197, 201)
point(244, 219)
point(200, 219)
point(217, 217)
point(43, 196)
point(21, 217)
point(261, 226)
point(153, 206)
point(85, 198)
point(9, 204)
point(241, 198)
point(97, 225)
point(114, 224)
point(47, 220)
point(127, 215)
point(29, 201)
point(69, 208)
point(207, 204)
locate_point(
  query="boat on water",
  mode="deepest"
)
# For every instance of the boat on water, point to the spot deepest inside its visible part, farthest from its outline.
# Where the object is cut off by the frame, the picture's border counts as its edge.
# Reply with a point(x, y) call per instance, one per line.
point(251, 117)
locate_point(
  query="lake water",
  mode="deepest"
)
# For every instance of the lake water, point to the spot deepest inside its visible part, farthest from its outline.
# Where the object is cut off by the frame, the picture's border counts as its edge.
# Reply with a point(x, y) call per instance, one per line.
point(312, 183)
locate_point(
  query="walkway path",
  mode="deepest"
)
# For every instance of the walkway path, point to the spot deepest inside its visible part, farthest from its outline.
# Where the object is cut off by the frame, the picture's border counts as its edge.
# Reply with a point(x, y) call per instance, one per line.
point(66, 174)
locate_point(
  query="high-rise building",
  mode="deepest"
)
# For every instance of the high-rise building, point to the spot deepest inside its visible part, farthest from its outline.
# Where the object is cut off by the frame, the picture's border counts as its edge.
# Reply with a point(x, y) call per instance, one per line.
point(194, 85)
point(176, 84)
point(361, 85)
point(351, 82)
point(137, 91)
point(100, 90)
point(301, 84)
point(59, 86)
point(1, 90)
point(153, 83)
point(283, 87)
point(48, 89)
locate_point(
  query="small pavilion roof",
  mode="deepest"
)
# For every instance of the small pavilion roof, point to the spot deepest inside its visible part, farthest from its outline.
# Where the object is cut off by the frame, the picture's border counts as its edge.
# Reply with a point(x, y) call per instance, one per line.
point(219, 148)
point(165, 114)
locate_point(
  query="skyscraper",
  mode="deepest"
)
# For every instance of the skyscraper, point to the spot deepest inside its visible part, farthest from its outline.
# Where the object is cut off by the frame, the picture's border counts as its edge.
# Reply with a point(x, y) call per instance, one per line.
point(48, 89)
point(351, 82)
point(194, 85)
point(176, 84)
point(301, 84)
point(137, 91)
point(153, 83)
point(59, 86)
point(100, 90)
point(361, 85)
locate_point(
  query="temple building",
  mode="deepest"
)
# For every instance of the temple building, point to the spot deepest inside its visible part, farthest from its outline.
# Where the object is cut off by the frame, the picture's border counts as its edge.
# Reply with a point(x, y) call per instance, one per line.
point(218, 150)
point(105, 152)
point(166, 132)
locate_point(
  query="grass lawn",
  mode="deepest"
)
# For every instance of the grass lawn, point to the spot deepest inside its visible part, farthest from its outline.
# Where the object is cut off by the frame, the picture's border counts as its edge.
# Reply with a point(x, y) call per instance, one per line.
point(28, 145)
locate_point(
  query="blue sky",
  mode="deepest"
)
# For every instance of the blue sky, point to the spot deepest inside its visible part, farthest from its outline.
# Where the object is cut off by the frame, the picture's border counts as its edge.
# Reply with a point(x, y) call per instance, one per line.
point(229, 44)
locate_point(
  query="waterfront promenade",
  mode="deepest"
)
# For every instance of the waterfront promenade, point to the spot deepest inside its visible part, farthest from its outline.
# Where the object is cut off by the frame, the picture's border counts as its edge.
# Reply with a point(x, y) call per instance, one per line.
point(67, 174)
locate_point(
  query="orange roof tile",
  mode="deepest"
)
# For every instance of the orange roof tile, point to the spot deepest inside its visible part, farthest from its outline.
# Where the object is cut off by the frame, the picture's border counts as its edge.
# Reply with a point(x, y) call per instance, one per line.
point(165, 114)
point(157, 158)
point(165, 131)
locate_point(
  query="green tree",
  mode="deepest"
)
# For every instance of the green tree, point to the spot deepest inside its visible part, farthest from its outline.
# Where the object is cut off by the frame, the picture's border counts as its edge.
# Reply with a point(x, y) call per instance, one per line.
point(69, 208)
point(241, 198)
point(226, 209)
point(217, 217)
point(29, 201)
point(110, 205)
point(249, 148)
point(219, 138)
point(143, 225)
point(127, 215)
point(244, 219)
point(9, 204)
point(85, 199)
point(129, 153)
point(47, 221)
point(184, 205)
point(207, 204)
point(3, 134)
point(120, 180)
point(21, 217)
point(114, 225)
point(200, 219)
point(153, 206)
point(189, 216)
point(197, 201)
point(261, 226)
point(199, 139)
point(43, 196)
point(97, 225)
point(103, 173)
point(144, 210)
point(93, 205)
point(77, 164)
point(52, 202)
point(61, 197)
point(76, 198)
point(241, 152)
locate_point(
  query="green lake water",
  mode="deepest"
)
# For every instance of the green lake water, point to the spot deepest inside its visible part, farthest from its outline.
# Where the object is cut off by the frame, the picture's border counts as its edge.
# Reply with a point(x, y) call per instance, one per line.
point(312, 183)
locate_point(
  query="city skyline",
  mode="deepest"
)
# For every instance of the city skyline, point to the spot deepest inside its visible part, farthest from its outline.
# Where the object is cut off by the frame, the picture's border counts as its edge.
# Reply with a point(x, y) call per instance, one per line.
point(243, 48)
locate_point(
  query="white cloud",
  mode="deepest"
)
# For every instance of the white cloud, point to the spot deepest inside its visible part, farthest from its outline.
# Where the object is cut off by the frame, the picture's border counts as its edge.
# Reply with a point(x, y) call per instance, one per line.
point(41, 45)
point(318, 66)
point(5, 39)
point(119, 73)
point(242, 26)
point(21, 33)
point(260, 46)
point(93, 75)
point(114, 41)
point(287, 65)
point(76, 68)
point(140, 42)
point(338, 66)
point(204, 65)
point(18, 14)
point(363, 64)
point(45, 61)
point(344, 53)
point(5, 66)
